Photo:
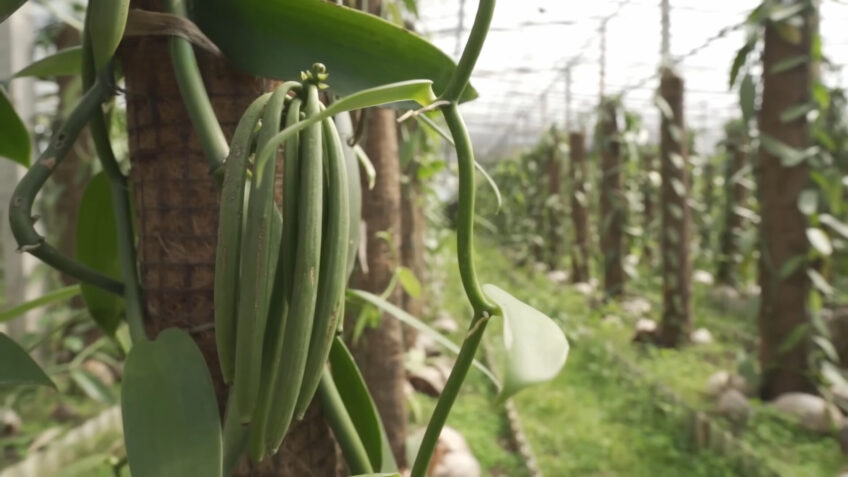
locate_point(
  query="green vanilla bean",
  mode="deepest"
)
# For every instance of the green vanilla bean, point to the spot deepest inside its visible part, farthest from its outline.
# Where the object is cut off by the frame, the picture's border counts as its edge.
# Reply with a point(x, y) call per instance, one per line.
point(21, 220)
point(343, 429)
point(121, 203)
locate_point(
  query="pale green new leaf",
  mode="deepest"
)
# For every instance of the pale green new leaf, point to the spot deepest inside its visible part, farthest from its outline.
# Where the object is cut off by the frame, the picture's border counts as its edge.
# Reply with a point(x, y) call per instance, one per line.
point(820, 241)
point(536, 348)
point(409, 282)
point(62, 63)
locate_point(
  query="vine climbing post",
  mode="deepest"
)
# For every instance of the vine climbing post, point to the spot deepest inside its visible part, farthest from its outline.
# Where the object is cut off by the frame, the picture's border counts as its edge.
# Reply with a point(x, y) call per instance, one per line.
point(734, 192)
point(579, 215)
point(554, 201)
point(676, 217)
point(612, 212)
point(783, 226)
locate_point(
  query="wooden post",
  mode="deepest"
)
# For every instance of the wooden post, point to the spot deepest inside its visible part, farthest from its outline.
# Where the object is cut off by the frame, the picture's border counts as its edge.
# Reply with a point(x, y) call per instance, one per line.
point(612, 212)
point(579, 215)
point(676, 227)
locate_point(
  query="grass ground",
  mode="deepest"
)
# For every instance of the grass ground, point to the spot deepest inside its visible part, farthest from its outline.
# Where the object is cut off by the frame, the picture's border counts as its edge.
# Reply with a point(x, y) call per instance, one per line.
point(589, 422)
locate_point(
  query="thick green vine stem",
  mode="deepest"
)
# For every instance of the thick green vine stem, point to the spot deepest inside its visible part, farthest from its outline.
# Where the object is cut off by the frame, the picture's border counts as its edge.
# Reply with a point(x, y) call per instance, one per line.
point(479, 30)
point(21, 220)
point(194, 95)
point(483, 308)
point(120, 202)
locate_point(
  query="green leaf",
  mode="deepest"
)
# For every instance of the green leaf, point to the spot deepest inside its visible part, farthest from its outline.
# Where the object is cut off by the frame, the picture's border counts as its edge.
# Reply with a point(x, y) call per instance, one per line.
point(819, 282)
point(820, 241)
point(97, 247)
point(419, 325)
point(54, 296)
point(536, 347)
point(790, 266)
point(14, 138)
point(492, 184)
point(780, 13)
point(664, 107)
point(821, 95)
point(808, 201)
point(279, 38)
point(827, 347)
point(92, 387)
point(789, 156)
point(788, 64)
point(62, 63)
point(367, 166)
point(747, 95)
point(357, 401)
point(837, 226)
point(17, 368)
point(794, 337)
point(409, 282)
point(8, 7)
point(105, 23)
point(794, 112)
point(170, 415)
point(740, 58)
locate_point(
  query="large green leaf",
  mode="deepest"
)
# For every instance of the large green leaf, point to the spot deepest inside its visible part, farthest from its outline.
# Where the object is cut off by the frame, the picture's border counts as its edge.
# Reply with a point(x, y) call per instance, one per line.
point(62, 63)
point(536, 348)
point(8, 7)
point(278, 38)
point(170, 415)
point(17, 368)
point(105, 22)
point(97, 247)
point(14, 138)
point(358, 403)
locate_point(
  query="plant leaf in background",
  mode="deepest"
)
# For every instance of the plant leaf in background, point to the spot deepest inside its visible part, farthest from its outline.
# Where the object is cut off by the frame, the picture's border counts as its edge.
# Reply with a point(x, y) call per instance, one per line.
point(358, 403)
point(8, 7)
point(105, 22)
point(747, 95)
point(97, 247)
point(14, 138)
point(92, 386)
point(17, 368)
point(819, 240)
point(49, 298)
point(536, 348)
point(62, 63)
point(360, 50)
point(419, 325)
point(170, 415)
point(409, 282)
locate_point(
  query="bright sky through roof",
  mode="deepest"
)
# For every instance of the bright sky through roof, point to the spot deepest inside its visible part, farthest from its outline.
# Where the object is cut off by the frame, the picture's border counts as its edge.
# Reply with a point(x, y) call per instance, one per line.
point(520, 71)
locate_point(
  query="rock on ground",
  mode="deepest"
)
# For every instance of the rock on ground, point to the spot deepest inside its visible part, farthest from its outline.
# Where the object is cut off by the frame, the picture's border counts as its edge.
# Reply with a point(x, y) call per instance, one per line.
point(812, 412)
